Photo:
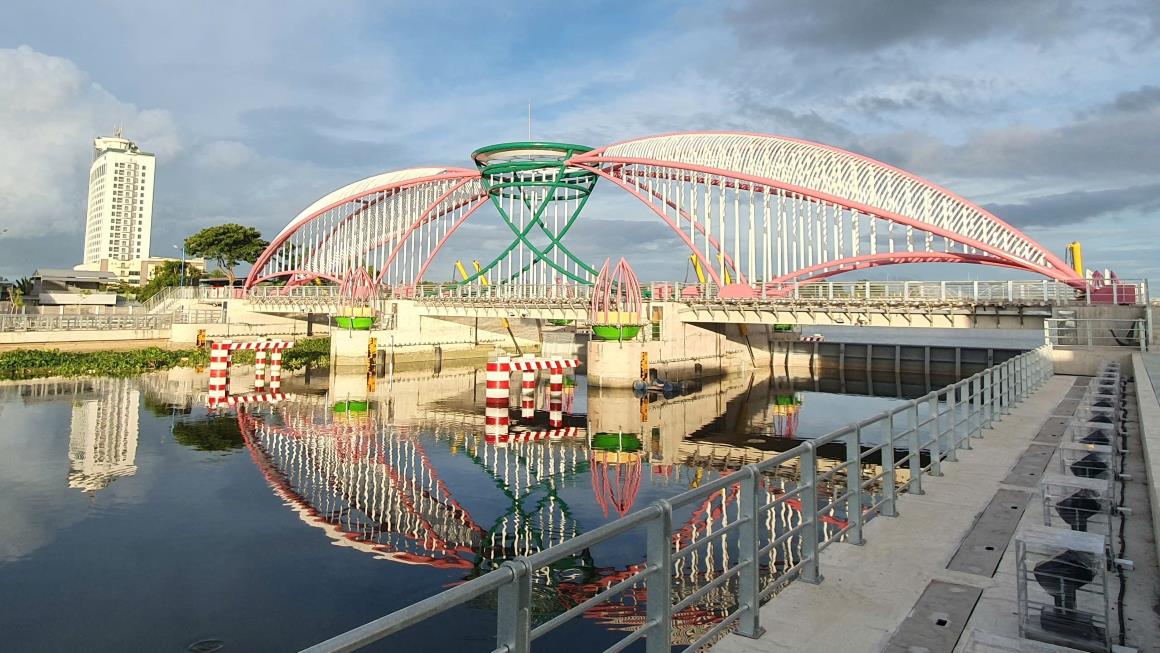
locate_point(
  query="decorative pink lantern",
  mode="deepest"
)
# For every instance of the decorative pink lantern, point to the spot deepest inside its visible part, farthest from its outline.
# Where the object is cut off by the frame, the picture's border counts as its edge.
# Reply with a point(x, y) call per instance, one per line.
point(615, 313)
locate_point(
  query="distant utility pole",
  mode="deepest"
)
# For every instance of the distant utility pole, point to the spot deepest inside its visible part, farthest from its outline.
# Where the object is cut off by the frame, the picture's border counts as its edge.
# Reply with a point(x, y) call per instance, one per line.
point(529, 120)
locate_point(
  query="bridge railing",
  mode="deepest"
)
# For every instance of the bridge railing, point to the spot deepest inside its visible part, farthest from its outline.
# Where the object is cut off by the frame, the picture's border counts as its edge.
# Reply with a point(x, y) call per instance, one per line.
point(998, 292)
point(1097, 332)
point(917, 437)
point(11, 323)
point(1037, 292)
point(199, 316)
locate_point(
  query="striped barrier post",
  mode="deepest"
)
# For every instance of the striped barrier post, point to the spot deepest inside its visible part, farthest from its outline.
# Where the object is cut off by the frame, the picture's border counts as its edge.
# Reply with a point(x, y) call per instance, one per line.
point(220, 355)
point(275, 370)
point(497, 398)
point(528, 390)
point(556, 397)
point(259, 369)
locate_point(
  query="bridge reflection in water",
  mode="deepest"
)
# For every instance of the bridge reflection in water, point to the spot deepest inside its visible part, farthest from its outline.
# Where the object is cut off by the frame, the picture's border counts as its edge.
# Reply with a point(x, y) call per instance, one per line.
point(407, 474)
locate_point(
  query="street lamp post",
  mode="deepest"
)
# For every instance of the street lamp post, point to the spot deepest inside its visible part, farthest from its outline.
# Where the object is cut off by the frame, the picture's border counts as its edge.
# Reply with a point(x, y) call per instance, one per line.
point(181, 281)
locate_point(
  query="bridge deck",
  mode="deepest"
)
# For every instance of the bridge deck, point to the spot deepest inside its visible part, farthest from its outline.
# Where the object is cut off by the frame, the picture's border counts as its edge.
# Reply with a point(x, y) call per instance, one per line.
point(868, 591)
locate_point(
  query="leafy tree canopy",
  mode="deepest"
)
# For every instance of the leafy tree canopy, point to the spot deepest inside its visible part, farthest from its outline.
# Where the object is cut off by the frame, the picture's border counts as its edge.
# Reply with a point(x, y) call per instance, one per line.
point(169, 274)
point(228, 245)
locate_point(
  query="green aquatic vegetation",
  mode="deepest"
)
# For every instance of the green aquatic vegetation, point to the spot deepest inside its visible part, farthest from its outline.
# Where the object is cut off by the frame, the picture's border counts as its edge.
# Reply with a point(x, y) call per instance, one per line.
point(33, 363)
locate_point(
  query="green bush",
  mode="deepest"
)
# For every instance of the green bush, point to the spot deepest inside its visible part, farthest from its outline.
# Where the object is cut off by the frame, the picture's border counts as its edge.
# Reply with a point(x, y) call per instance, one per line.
point(33, 363)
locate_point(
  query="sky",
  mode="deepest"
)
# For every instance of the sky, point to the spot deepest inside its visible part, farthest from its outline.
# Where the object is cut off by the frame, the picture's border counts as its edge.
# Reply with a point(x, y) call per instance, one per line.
point(1045, 112)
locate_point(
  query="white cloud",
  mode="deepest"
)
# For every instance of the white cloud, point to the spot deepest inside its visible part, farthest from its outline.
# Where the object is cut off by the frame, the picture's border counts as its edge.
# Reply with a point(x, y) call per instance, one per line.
point(50, 114)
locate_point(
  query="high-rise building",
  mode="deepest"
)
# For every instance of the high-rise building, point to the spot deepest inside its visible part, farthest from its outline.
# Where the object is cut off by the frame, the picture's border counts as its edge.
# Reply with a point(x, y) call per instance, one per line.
point(120, 201)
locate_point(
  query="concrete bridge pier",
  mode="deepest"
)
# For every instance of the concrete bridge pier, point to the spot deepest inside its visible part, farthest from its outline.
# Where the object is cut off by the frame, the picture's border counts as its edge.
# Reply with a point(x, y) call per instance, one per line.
point(683, 350)
point(412, 337)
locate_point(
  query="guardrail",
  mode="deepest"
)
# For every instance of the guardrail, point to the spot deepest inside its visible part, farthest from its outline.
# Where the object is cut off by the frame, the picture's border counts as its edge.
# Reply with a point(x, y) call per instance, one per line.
point(10, 323)
point(936, 426)
point(1039, 292)
point(200, 316)
point(1097, 332)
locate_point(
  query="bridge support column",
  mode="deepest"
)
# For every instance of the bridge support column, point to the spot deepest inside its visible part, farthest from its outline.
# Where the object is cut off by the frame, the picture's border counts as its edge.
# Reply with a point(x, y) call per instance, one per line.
point(348, 349)
point(683, 350)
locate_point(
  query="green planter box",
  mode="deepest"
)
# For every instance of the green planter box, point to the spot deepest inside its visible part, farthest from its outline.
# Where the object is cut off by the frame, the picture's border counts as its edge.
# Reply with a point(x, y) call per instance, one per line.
point(351, 407)
point(616, 442)
point(615, 331)
point(356, 323)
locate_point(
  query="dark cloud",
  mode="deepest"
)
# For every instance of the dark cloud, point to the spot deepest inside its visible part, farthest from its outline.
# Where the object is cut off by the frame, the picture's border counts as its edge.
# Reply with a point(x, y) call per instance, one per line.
point(1144, 98)
point(1097, 148)
point(1080, 205)
point(871, 25)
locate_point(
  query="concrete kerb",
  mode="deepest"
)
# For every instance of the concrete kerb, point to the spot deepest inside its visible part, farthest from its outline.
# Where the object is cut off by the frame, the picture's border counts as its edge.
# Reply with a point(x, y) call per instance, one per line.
point(1149, 408)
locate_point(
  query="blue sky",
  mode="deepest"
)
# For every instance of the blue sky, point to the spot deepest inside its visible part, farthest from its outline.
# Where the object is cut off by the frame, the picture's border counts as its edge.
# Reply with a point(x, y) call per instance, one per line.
point(1047, 112)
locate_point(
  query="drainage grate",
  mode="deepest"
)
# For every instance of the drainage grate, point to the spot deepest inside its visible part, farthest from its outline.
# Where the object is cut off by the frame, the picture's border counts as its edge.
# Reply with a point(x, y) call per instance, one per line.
point(1029, 468)
point(983, 547)
point(1052, 430)
point(936, 621)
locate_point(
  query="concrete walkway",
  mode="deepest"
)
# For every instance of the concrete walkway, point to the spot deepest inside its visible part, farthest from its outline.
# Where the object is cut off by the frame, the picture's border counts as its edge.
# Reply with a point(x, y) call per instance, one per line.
point(869, 590)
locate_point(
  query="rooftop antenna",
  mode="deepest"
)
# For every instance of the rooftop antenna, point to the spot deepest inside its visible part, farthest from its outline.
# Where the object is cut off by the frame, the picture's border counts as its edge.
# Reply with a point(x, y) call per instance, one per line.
point(117, 130)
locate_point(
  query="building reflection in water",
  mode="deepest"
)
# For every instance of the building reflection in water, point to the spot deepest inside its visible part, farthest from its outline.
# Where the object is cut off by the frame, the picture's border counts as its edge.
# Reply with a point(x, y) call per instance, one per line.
point(361, 466)
point(103, 433)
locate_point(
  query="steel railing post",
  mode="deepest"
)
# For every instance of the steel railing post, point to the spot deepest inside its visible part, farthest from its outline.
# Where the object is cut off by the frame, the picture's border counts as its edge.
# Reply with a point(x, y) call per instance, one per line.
point(915, 450)
point(890, 491)
point(960, 425)
point(1024, 388)
point(513, 617)
point(854, 486)
point(1147, 301)
point(988, 397)
point(1008, 386)
point(935, 445)
point(947, 416)
point(749, 581)
point(975, 405)
point(658, 584)
point(811, 535)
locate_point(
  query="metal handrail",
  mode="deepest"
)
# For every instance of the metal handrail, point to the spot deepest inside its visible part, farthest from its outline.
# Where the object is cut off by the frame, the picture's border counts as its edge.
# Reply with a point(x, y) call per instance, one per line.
point(12, 323)
point(1122, 291)
point(1041, 292)
point(937, 424)
point(1098, 332)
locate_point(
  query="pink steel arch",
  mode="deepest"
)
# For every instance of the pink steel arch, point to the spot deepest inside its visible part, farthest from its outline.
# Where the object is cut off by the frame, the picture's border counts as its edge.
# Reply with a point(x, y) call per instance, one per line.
point(823, 212)
point(412, 213)
point(734, 163)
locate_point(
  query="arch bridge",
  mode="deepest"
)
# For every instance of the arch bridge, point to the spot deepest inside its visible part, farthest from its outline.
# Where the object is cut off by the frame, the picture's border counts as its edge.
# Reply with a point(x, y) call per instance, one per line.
point(755, 212)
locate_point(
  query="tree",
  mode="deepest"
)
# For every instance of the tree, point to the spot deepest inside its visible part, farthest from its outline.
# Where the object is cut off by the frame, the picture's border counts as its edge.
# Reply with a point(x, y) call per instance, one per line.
point(16, 296)
point(228, 245)
point(24, 285)
point(169, 274)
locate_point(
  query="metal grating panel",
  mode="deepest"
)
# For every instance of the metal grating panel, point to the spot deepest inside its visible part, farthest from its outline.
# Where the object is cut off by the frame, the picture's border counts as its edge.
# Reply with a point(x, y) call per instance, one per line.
point(983, 547)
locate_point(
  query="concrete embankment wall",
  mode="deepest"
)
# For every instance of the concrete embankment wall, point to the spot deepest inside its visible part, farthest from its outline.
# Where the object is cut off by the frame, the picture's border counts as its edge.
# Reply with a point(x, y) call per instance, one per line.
point(48, 339)
point(1149, 408)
